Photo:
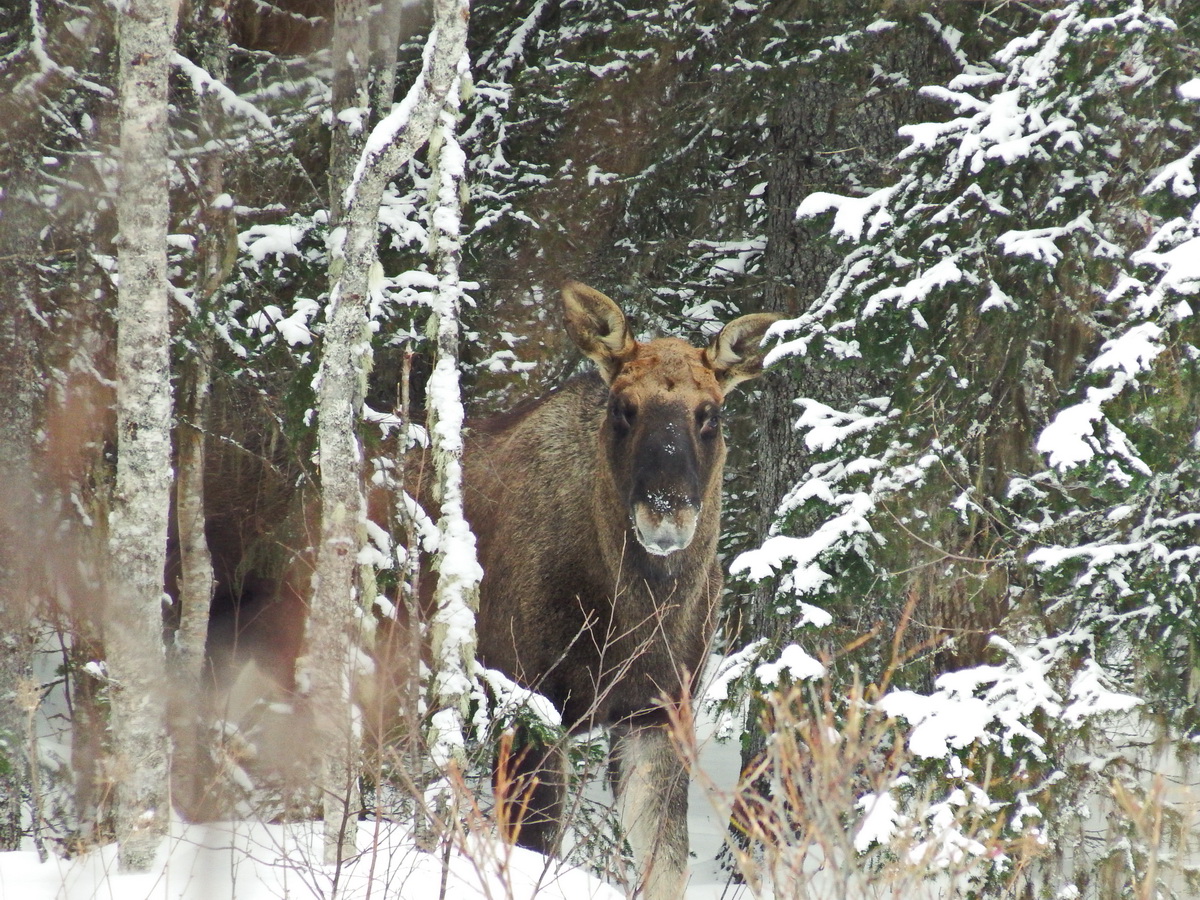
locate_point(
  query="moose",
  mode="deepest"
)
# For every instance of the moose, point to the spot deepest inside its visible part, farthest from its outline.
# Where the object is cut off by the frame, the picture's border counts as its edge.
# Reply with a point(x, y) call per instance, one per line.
point(597, 511)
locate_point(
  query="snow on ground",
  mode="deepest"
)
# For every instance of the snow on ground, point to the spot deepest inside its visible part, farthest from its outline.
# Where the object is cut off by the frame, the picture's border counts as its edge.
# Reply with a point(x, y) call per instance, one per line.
point(255, 861)
point(708, 815)
point(264, 862)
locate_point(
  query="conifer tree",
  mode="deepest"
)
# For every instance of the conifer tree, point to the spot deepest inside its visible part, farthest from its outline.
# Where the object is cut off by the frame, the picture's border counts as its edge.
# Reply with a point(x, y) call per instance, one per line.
point(999, 498)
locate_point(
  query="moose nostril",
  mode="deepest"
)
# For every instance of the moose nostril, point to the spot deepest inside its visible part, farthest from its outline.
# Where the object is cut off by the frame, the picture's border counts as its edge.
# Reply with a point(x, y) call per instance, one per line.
point(662, 502)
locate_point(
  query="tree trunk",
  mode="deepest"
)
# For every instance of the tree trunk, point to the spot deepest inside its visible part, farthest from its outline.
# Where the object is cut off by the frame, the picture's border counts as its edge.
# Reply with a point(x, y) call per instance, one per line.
point(137, 531)
point(345, 360)
point(829, 138)
point(350, 101)
point(22, 399)
point(208, 37)
point(209, 32)
point(456, 596)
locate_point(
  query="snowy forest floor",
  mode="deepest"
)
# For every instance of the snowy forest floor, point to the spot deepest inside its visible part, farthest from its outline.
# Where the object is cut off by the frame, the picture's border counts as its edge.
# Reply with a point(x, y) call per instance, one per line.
point(257, 861)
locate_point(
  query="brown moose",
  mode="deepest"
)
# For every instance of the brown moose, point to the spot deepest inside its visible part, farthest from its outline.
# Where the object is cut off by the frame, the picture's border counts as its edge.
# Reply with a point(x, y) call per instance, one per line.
point(597, 511)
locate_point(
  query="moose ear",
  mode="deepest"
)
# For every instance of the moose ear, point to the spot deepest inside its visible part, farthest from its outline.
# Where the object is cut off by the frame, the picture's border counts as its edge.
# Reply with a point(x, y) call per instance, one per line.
point(737, 354)
point(598, 327)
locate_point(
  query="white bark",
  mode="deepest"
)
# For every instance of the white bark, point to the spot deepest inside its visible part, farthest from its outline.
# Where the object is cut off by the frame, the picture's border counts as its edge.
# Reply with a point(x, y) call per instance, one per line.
point(215, 255)
point(138, 517)
point(351, 87)
point(196, 580)
point(210, 29)
point(345, 360)
point(456, 597)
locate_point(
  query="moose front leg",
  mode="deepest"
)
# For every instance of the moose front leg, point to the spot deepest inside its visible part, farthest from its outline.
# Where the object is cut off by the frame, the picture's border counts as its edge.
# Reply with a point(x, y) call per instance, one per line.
point(651, 788)
point(530, 781)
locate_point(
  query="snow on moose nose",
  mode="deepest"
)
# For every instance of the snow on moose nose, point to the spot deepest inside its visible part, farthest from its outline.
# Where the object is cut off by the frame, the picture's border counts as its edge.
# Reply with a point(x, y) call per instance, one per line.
point(664, 523)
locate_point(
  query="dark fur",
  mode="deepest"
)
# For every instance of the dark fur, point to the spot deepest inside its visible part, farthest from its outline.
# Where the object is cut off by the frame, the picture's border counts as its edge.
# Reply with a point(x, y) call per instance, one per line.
point(571, 604)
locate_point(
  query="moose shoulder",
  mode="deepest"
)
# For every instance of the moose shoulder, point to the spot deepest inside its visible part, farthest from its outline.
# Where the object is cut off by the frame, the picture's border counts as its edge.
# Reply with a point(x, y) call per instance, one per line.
point(597, 511)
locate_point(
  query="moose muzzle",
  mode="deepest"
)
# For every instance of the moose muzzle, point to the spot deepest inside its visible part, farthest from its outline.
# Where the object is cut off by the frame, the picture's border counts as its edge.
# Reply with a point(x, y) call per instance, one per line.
point(662, 529)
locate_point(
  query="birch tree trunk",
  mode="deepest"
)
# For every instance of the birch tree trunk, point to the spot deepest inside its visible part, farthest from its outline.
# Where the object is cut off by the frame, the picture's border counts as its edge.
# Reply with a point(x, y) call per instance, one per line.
point(208, 36)
point(137, 526)
point(345, 361)
point(215, 245)
point(456, 597)
point(350, 100)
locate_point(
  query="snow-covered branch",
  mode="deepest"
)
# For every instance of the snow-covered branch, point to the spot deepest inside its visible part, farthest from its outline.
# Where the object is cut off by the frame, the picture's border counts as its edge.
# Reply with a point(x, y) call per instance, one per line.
point(204, 83)
point(402, 132)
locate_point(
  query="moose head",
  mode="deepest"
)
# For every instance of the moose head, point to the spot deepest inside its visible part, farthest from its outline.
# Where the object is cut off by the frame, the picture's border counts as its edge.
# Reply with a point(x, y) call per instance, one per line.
point(662, 435)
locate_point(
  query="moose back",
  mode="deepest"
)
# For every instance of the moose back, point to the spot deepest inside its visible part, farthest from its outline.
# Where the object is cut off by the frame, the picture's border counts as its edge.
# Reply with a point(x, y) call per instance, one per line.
point(597, 512)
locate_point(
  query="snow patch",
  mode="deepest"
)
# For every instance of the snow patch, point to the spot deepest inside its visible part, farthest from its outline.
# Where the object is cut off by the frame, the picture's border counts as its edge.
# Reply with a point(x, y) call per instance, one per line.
point(793, 661)
point(850, 213)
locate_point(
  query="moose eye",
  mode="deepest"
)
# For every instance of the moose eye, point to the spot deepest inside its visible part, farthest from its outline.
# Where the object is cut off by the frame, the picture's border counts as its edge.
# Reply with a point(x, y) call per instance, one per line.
point(622, 414)
point(708, 419)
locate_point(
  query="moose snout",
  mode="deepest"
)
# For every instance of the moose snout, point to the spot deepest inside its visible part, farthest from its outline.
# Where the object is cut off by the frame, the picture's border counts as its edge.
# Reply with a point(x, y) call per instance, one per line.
point(662, 532)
